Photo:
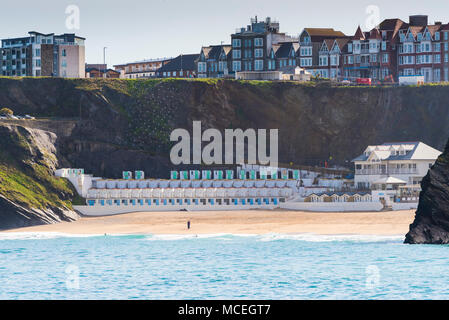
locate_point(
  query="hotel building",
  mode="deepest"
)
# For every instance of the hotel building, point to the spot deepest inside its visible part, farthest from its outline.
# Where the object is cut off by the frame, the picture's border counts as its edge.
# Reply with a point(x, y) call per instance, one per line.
point(43, 55)
point(400, 163)
point(252, 45)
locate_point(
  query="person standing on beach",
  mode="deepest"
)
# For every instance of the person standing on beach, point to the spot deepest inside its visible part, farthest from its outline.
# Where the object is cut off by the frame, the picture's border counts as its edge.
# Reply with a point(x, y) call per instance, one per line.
point(188, 225)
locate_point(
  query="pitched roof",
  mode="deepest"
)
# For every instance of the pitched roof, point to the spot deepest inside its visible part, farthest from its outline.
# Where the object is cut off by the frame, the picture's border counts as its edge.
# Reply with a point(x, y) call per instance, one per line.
point(341, 42)
point(319, 34)
point(283, 49)
point(359, 35)
point(390, 180)
point(393, 25)
point(183, 61)
point(413, 151)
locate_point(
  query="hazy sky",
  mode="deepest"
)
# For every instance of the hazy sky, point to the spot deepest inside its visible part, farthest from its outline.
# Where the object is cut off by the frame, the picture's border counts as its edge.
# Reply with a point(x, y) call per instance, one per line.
point(141, 29)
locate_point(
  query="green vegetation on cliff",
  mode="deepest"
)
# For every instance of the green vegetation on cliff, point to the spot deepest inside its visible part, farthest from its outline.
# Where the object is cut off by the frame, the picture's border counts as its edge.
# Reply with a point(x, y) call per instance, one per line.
point(26, 173)
point(126, 124)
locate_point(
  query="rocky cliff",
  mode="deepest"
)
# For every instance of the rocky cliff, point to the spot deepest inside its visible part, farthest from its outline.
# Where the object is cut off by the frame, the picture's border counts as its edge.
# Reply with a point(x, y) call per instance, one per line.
point(109, 125)
point(125, 124)
point(431, 225)
point(29, 193)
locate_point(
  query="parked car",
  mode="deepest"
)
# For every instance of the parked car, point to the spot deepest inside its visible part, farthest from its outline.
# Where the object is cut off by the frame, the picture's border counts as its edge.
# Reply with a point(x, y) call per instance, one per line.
point(27, 116)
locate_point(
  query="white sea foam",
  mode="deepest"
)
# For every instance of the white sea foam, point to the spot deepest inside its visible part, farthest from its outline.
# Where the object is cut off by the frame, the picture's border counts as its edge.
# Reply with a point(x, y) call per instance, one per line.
point(308, 237)
point(41, 235)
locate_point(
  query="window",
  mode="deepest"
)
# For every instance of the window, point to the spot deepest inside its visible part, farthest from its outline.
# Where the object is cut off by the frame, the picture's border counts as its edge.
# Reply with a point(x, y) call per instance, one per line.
point(64, 63)
point(446, 35)
point(384, 45)
point(350, 47)
point(38, 62)
point(437, 36)
point(236, 54)
point(306, 51)
point(437, 75)
point(437, 47)
point(334, 60)
point(437, 58)
point(306, 62)
point(202, 67)
point(64, 53)
point(221, 66)
point(236, 66)
point(350, 59)
point(236, 43)
point(258, 42)
point(446, 46)
point(385, 58)
point(446, 57)
point(38, 52)
point(446, 74)
point(258, 65)
point(323, 61)
point(258, 53)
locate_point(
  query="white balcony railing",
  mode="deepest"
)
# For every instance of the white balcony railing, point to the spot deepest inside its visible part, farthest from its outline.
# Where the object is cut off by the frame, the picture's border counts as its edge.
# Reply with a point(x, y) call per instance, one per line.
point(385, 171)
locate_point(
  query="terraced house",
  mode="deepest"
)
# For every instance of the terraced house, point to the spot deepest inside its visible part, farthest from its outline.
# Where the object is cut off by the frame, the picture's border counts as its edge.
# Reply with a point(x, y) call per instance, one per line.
point(251, 46)
point(283, 55)
point(41, 54)
point(397, 49)
point(331, 56)
point(215, 61)
point(423, 49)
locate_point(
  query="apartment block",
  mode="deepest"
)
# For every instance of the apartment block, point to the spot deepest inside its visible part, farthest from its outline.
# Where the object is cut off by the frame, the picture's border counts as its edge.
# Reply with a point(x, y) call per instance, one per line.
point(252, 45)
point(44, 55)
point(142, 69)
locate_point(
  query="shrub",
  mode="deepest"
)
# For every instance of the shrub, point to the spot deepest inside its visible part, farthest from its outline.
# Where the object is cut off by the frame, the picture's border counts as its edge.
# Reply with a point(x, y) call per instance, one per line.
point(6, 111)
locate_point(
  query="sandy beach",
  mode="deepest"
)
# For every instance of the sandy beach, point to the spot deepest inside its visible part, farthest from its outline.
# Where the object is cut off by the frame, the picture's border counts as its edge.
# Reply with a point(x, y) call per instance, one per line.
point(238, 222)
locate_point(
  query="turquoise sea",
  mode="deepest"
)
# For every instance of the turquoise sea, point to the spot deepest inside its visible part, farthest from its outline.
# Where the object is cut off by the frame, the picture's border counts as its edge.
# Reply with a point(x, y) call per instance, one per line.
point(274, 266)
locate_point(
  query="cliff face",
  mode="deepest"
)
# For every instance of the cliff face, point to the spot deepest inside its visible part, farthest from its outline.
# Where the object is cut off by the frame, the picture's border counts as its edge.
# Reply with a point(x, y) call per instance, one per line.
point(29, 193)
point(431, 225)
point(125, 124)
point(107, 126)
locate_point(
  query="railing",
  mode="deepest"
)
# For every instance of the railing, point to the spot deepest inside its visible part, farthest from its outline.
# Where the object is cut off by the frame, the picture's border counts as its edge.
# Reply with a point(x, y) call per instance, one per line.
point(385, 171)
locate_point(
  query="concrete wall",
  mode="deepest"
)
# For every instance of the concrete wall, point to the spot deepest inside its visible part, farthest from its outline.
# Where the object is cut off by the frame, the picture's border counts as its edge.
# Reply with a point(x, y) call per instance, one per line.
point(332, 206)
point(404, 206)
point(114, 209)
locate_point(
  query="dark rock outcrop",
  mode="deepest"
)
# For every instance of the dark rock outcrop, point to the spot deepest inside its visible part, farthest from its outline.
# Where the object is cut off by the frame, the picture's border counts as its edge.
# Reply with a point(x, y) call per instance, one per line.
point(30, 194)
point(431, 225)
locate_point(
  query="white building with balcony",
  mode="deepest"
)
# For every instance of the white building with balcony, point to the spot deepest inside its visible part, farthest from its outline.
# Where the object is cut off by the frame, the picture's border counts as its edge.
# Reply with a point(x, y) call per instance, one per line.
point(405, 161)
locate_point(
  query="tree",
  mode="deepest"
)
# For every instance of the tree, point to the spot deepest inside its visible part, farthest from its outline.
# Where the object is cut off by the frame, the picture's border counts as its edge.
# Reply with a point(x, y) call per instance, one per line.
point(6, 111)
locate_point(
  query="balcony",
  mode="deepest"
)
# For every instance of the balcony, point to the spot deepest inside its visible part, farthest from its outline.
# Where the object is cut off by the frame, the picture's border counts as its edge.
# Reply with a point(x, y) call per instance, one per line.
point(385, 171)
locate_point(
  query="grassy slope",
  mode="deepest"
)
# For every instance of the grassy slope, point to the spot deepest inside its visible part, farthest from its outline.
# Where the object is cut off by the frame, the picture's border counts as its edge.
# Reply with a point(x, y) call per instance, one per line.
point(26, 178)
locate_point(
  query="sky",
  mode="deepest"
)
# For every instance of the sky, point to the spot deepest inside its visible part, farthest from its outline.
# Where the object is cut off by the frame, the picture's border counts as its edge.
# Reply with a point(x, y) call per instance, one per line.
point(143, 29)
